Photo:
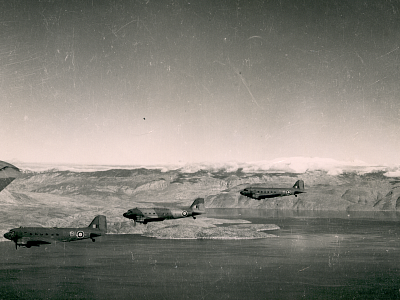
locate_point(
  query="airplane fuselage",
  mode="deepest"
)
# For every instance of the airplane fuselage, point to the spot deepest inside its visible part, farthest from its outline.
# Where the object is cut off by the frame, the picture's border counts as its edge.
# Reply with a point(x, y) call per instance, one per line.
point(145, 215)
point(260, 192)
point(36, 236)
point(56, 234)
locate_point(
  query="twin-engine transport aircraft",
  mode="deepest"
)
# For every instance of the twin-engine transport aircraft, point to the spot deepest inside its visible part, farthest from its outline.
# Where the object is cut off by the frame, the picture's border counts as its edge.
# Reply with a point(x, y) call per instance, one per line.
point(35, 236)
point(8, 173)
point(259, 192)
point(145, 215)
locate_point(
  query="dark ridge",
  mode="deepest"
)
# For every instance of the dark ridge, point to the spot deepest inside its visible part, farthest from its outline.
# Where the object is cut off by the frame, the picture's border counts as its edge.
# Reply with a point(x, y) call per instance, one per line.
point(122, 172)
point(374, 175)
point(200, 172)
point(106, 173)
point(180, 178)
point(269, 174)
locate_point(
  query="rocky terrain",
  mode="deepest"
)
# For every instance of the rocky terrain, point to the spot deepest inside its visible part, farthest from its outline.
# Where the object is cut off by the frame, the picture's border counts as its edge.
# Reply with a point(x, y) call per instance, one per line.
point(66, 198)
point(201, 228)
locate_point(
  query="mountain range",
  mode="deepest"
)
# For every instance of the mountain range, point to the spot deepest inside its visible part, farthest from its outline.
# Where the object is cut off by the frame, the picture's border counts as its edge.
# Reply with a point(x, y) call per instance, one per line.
point(62, 197)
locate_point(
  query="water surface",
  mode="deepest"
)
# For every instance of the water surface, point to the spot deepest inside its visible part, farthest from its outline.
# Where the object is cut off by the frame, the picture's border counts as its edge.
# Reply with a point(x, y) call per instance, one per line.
point(315, 256)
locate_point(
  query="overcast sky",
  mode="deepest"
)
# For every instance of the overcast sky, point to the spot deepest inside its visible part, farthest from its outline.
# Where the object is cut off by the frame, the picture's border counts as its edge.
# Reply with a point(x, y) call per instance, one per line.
point(147, 82)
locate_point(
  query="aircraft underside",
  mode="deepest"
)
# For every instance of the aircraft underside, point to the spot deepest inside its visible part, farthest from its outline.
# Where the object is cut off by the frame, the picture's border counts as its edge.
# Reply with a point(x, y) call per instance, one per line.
point(29, 244)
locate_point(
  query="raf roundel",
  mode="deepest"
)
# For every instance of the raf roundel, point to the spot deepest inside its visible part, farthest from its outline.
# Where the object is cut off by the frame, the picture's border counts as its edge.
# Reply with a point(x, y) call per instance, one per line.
point(184, 213)
point(80, 234)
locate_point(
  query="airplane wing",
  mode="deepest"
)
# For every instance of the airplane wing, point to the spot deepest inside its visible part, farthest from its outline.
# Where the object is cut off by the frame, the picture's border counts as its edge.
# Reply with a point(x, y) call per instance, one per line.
point(8, 173)
point(4, 182)
point(265, 196)
point(29, 242)
point(140, 219)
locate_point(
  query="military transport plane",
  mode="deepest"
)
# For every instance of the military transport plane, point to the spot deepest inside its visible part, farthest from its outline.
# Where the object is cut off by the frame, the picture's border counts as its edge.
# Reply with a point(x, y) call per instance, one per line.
point(35, 236)
point(8, 173)
point(145, 215)
point(260, 192)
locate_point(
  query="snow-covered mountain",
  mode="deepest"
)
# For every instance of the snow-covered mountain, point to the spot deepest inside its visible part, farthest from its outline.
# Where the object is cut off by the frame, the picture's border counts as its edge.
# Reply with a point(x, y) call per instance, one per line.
point(281, 165)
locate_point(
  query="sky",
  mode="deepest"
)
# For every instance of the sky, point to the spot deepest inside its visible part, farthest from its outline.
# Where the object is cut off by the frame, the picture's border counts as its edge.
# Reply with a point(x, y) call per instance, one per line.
point(155, 82)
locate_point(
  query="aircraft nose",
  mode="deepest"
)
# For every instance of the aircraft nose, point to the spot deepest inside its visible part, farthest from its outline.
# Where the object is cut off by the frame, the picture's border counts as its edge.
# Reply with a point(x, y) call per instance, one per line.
point(7, 236)
point(127, 214)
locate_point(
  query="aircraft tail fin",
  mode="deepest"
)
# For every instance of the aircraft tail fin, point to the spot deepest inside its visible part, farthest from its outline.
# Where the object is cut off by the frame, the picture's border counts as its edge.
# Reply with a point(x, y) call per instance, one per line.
point(299, 185)
point(99, 222)
point(198, 205)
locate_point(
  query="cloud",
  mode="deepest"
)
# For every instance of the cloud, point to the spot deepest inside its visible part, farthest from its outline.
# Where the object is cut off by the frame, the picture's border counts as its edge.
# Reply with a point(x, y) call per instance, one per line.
point(289, 165)
point(393, 172)
point(297, 165)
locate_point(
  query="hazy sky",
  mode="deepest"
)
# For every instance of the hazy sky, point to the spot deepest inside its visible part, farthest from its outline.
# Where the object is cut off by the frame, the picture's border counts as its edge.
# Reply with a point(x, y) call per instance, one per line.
point(142, 82)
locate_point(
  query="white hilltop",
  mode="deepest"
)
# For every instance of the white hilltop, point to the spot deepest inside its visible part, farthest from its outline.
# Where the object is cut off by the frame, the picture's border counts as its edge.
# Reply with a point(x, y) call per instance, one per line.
point(395, 172)
point(296, 165)
point(291, 165)
point(308, 164)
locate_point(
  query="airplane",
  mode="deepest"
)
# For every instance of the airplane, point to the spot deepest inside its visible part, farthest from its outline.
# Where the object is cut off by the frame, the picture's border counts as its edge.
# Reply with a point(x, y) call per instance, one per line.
point(145, 215)
point(259, 192)
point(36, 236)
point(8, 173)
